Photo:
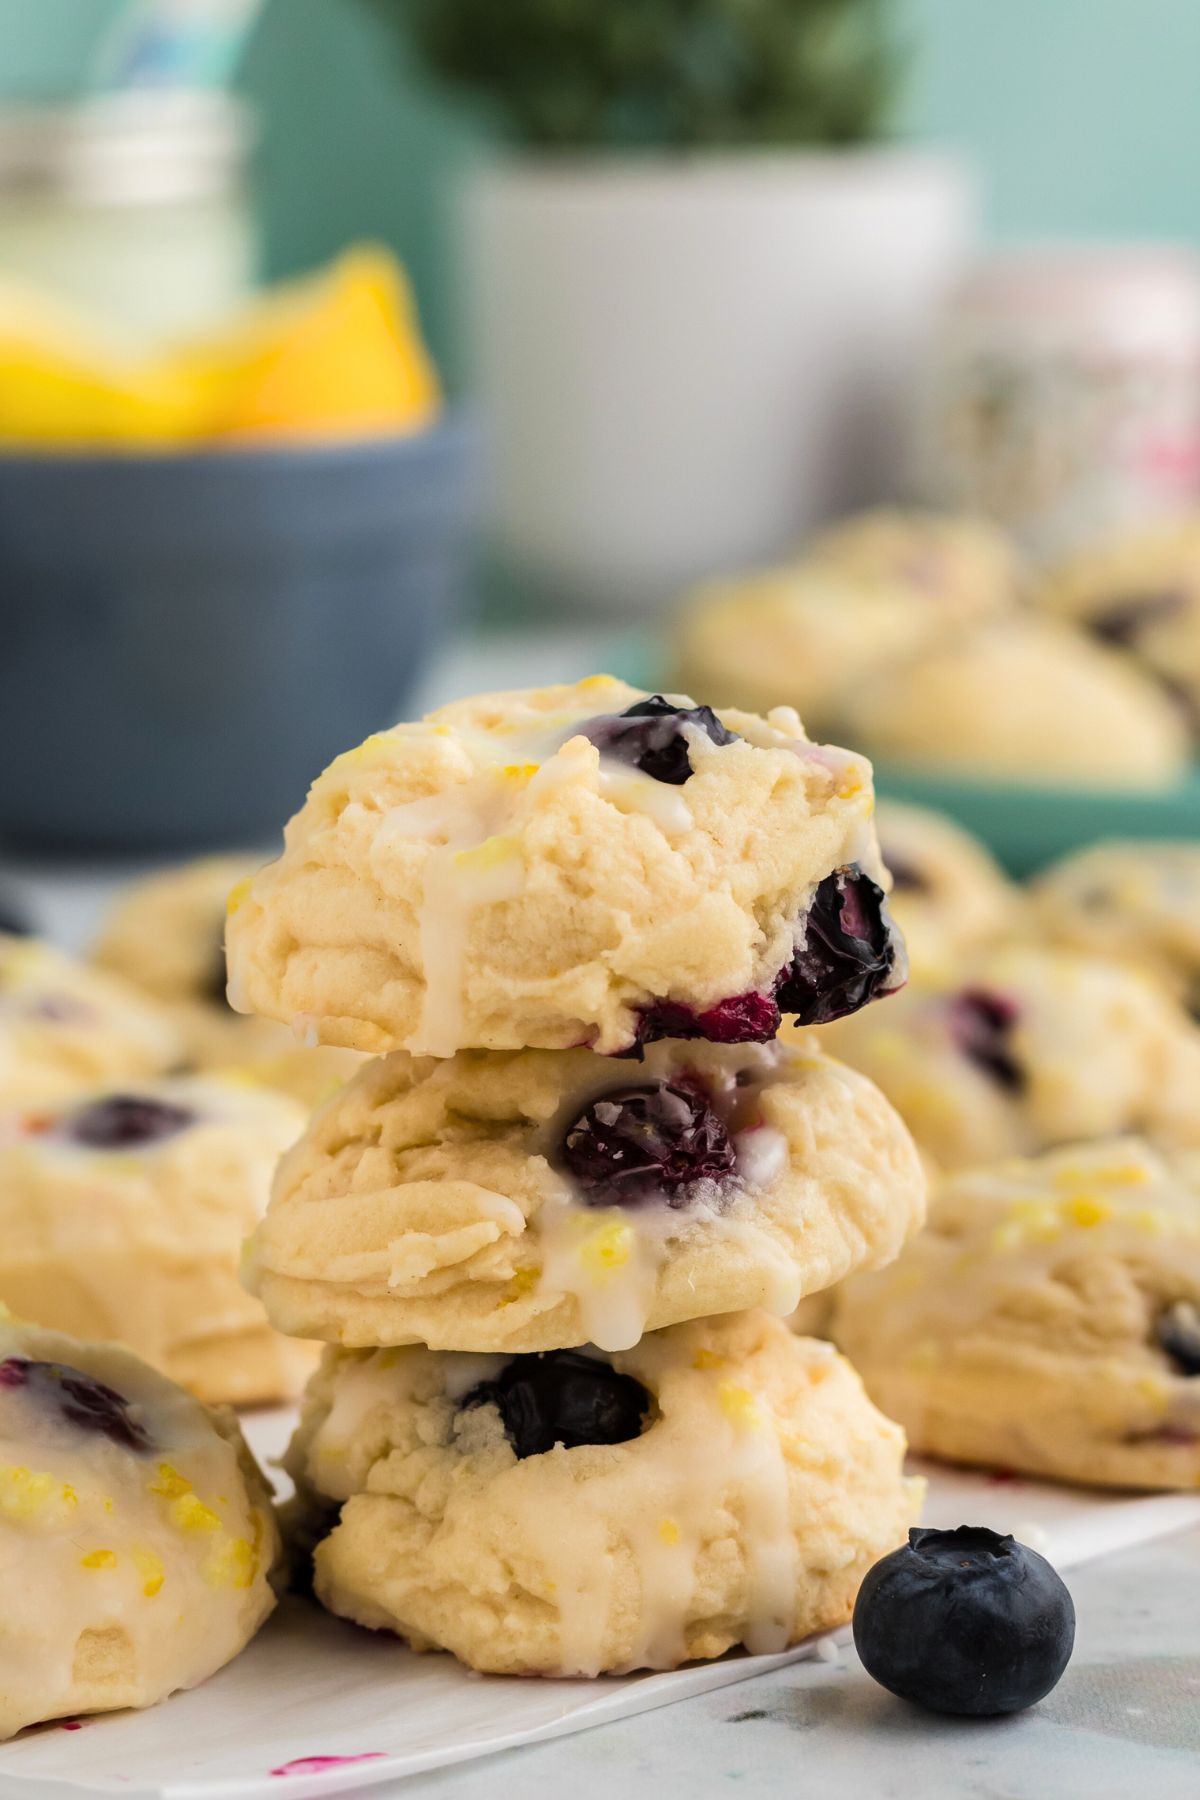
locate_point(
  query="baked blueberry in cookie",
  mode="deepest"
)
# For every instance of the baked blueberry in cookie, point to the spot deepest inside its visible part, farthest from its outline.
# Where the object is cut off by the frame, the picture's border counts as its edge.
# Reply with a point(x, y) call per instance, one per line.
point(85, 1402)
point(981, 1024)
point(656, 1141)
point(563, 1397)
point(650, 736)
point(1177, 1330)
point(743, 1019)
point(851, 952)
point(125, 1121)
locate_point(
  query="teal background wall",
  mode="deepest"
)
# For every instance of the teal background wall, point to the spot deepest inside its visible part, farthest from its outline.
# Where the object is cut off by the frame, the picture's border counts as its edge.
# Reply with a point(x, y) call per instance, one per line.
point(1081, 114)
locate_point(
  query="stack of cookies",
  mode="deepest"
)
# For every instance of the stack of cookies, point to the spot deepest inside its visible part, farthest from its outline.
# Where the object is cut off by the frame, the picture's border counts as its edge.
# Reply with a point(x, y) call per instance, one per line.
point(557, 1429)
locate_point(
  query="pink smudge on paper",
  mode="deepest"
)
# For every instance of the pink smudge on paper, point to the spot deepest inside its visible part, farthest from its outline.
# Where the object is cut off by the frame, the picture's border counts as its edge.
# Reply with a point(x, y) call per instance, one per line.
point(316, 1765)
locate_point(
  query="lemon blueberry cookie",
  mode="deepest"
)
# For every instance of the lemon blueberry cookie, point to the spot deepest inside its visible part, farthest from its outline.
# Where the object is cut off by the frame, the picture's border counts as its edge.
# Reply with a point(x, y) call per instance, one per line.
point(137, 1541)
point(575, 1513)
point(1139, 901)
point(166, 934)
point(540, 1199)
point(123, 1213)
point(802, 634)
point(569, 866)
point(1047, 1320)
point(1027, 1048)
point(1141, 594)
point(960, 568)
point(64, 1026)
point(1023, 697)
point(948, 894)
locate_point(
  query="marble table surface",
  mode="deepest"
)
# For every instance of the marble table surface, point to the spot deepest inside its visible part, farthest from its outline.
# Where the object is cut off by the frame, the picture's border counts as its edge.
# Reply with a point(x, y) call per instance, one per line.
point(1123, 1724)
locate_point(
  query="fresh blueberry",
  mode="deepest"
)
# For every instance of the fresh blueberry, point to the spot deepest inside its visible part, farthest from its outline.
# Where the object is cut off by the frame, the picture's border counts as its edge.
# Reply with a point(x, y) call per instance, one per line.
point(743, 1019)
point(657, 1141)
point(981, 1025)
point(87, 1403)
point(1121, 622)
point(852, 952)
point(649, 735)
point(1177, 1331)
point(125, 1122)
point(965, 1621)
point(563, 1397)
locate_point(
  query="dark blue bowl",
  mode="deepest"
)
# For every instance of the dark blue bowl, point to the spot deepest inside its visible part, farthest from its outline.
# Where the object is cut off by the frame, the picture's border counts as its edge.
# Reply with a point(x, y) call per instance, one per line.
point(186, 641)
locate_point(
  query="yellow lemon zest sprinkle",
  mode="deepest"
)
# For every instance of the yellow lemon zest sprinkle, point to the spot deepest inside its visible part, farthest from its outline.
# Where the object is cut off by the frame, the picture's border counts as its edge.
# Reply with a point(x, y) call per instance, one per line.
point(1087, 1211)
point(607, 1249)
point(169, 1482)
point(99, 1559)
point(234, 1565)
point(149, 1566)
point(739, 1404)
point(520, 771)
point(237, 894)
point(1127, 1174)
point(708, 1359)
point(668, 1531)
point(189, 1513)
point(598, 681)
point(32, 1493)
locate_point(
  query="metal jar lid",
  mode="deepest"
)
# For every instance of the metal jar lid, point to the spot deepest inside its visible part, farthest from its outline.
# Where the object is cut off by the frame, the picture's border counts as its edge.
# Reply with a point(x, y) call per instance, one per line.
point(129, 149)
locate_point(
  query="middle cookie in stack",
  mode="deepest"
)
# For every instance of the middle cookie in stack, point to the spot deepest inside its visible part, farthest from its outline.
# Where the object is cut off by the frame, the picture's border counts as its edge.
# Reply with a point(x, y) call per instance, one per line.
point(497, 896)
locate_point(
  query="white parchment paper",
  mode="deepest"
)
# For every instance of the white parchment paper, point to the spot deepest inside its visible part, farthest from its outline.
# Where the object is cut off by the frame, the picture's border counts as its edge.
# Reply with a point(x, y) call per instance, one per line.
point(315, 1706)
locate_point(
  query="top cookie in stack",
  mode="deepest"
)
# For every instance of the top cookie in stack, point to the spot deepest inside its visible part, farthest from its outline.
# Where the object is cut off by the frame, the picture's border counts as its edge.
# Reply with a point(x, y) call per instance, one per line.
point(507, 896)
point(571, 866)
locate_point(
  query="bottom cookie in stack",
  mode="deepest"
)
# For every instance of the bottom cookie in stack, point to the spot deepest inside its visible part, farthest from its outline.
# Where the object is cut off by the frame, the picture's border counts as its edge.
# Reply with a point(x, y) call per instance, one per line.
point(1048, 1319)
point(578, 1513)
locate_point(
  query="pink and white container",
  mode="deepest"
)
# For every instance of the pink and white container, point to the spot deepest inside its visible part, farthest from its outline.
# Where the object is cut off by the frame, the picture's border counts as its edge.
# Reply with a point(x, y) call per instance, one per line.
point(1065, 402)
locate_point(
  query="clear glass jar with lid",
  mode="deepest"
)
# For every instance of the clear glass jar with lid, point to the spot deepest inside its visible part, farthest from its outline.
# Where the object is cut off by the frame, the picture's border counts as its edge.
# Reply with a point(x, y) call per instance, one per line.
point(133, 205)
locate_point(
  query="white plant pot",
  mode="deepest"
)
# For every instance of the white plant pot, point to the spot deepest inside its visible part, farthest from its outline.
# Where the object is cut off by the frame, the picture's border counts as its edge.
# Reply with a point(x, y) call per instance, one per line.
point(686, 362)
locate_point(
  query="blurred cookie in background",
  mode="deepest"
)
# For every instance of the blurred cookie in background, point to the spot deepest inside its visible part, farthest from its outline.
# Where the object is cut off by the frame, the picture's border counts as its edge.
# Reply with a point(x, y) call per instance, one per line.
point(869, 593)
point(122, 1215)
point(1047, 1320)
point(64, 1026)
point(1139, 901)
point(1027, 1048)
point(949, 895)
point(1024, 700)
point(961, 568)
point(1140, 593)
point(798, 634)
point(166, 933)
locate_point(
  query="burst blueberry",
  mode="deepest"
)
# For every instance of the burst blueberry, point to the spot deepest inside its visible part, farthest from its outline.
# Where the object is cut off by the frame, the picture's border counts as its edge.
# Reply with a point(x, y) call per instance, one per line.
point(965, 1621)
point(563, 1397)
point(649, 735)
point(126, 1122)
point(86, 1403)
point(851, 954)
point(657, 1141)
point(751, 1018)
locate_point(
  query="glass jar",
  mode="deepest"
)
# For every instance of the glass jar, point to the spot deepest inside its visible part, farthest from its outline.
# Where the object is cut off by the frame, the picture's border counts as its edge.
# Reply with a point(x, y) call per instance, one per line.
point(134, 206)
point(1065, 402)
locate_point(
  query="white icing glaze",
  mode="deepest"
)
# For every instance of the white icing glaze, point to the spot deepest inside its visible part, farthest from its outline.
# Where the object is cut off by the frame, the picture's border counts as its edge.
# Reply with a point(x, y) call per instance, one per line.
point(606, 1258)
